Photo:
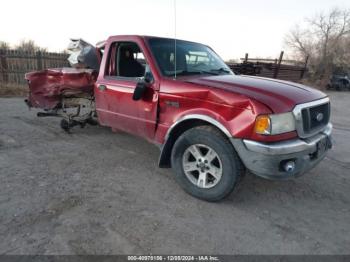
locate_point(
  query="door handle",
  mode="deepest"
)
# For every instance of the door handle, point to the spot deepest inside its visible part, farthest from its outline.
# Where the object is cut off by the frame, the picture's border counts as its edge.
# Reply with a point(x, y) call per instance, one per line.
point(102, 87)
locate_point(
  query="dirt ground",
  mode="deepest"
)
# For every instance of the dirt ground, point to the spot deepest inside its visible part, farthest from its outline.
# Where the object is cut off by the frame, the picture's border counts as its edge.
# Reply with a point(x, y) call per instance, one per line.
point(98, 192)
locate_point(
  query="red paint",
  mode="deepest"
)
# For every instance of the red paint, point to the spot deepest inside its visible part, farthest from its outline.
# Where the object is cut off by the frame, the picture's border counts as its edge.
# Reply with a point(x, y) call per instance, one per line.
point(232, 100)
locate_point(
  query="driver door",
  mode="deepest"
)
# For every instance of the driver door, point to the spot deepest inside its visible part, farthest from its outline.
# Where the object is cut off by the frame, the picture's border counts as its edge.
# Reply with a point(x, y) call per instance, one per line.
point(115, 107)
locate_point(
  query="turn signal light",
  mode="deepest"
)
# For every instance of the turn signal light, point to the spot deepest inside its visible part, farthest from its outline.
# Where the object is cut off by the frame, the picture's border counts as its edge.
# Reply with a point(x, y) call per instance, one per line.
point(263, 125)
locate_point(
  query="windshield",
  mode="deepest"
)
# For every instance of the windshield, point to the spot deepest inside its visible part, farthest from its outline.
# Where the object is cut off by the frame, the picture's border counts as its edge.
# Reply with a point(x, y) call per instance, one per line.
point(191, 58)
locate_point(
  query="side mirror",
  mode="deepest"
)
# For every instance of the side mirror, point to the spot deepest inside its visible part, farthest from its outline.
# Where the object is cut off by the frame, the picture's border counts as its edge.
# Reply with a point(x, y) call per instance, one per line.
point(142, 85)
point(148, 77)
point(139, 90)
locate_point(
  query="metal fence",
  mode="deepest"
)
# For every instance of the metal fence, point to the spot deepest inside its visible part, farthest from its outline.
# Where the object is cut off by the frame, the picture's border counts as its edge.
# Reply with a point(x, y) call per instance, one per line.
point(278, 68)
point(14, 64)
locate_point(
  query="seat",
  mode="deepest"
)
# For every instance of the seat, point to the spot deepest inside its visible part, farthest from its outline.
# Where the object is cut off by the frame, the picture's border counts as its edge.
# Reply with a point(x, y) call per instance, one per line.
point(128, 66)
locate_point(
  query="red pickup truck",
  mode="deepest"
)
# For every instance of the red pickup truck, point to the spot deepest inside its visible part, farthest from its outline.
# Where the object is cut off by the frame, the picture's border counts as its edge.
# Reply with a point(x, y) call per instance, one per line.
point(210, 124)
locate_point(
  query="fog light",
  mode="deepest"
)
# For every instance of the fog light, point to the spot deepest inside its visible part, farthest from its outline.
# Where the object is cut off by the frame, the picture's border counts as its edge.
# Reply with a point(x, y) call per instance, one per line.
point(289, 166)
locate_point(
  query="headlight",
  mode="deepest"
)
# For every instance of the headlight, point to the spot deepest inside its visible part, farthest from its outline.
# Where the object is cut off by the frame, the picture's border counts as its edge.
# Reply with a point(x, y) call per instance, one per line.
point(274, 124)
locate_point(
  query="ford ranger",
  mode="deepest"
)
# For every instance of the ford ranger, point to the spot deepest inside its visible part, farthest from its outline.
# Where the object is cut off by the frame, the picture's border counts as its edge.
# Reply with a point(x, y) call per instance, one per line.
point(210, 124)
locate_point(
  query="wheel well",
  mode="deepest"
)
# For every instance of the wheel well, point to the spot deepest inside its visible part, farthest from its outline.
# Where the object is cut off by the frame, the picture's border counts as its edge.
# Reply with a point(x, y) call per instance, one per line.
point(175, 133)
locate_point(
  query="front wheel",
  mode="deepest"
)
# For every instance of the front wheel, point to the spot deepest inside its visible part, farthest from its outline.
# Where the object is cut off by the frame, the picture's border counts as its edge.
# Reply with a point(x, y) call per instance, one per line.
point(205, 163)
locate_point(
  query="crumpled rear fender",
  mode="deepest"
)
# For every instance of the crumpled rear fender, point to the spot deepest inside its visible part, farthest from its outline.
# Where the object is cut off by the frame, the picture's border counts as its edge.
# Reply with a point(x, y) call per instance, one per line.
point(47, 87)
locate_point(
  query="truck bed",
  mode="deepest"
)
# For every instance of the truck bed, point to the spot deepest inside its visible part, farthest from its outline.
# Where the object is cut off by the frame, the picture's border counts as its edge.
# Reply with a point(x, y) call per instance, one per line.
point(48, 87)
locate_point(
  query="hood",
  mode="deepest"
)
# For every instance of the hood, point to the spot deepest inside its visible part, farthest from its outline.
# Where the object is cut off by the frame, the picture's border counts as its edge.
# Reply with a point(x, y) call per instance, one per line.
point(280, 96)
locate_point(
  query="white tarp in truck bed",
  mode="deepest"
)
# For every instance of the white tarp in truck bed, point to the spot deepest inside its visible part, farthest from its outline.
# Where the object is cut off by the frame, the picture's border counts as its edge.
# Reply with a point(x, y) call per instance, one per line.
point(83, 55)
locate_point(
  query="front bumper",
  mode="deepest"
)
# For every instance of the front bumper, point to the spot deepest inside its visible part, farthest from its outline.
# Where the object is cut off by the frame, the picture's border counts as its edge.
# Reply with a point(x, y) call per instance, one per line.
point(268, 159)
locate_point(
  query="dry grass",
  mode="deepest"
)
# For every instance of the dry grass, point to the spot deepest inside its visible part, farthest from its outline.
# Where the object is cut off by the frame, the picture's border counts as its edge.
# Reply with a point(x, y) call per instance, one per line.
point(12, 90)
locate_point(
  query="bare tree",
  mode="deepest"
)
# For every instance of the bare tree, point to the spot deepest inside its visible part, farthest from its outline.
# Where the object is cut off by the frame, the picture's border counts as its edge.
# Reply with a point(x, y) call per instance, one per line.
point(324, 38)
point(29, 46)
point(4, 45)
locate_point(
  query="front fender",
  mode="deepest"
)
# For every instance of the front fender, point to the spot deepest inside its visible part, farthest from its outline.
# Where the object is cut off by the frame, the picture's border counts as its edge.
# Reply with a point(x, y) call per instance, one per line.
point(206, 118)
point(180, 126)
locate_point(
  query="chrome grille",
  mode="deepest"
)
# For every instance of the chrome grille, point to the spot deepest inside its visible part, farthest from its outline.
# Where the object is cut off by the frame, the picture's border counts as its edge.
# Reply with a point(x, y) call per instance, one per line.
point(312, 117)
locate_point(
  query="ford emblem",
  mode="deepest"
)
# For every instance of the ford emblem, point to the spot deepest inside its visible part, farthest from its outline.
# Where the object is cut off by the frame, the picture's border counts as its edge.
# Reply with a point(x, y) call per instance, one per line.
point(319, 117)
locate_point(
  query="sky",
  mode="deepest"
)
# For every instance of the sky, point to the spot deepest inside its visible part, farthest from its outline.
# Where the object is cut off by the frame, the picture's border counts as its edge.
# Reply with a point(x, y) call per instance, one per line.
point(231, 28)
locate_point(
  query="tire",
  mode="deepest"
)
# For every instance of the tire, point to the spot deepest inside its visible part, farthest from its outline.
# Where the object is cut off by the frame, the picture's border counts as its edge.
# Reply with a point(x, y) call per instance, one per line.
point(197, 157)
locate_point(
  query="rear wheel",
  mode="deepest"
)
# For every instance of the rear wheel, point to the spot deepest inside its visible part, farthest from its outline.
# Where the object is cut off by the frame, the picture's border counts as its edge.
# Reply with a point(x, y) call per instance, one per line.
point(205, 163)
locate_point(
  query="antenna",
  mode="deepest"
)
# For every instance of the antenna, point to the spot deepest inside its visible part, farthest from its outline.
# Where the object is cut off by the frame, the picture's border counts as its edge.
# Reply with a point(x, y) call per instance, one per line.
point(175, 38)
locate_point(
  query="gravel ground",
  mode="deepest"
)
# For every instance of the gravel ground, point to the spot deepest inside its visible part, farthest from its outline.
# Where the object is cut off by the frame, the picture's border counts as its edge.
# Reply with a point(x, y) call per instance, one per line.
point(98, 192)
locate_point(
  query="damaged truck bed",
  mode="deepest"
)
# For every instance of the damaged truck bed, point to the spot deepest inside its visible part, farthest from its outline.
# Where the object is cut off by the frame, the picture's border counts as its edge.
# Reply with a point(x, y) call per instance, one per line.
point(48, 87)
point(64, 92)
point(68, 92)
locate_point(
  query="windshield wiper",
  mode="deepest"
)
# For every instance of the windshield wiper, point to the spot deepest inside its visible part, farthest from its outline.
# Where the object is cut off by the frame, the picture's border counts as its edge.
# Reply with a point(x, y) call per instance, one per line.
point(209, 72)
point(185, 72)
point(221, 70)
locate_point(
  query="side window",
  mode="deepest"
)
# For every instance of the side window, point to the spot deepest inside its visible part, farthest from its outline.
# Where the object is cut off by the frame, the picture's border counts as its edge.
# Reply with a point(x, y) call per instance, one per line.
point(126, 60)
